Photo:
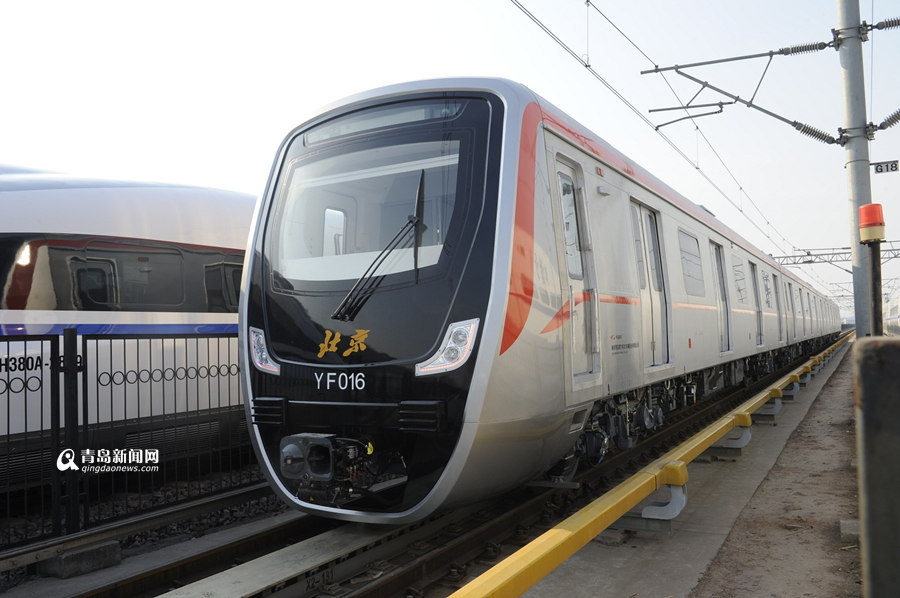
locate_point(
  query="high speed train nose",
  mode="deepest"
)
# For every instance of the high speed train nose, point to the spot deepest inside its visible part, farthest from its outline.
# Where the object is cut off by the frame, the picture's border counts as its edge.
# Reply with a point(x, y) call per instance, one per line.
point(307, 457)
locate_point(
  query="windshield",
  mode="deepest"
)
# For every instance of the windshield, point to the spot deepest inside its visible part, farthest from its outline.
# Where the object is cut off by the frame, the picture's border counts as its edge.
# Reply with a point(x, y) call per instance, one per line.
point(338, 213)
point(372, 223)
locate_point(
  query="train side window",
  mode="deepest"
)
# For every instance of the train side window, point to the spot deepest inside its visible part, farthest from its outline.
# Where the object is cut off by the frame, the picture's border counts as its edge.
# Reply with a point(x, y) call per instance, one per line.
point(570, 224)
point(638, 246)
point(655, 255)
point(722, 304)
point(144, 275)
point(691, 265)
point(809, 313)
point(223, 284)
point(767, 288)
point(778, 307)
point(740, 280)
point(757, 303)
point(790, 294)
point(93, 286)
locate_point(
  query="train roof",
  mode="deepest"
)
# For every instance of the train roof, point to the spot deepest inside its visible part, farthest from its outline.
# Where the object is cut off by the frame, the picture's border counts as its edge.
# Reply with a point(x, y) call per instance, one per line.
point(20, 180)
point(11, 169)
point(62, 204)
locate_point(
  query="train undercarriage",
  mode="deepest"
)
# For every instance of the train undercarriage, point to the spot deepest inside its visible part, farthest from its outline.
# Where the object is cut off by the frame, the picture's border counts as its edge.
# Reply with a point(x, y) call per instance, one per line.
point(619, 422)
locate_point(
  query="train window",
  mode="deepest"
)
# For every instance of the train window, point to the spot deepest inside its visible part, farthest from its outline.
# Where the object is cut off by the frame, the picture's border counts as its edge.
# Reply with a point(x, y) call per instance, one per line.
point(757, 304)
point(767, 288)
point(223, 284)
point(638, 246)
point(740, 281)
point(385, 185)
point(722, 305)
point(80, 272)
point(691, 266)
point(92, 287)
point(655, 257)
point(778, 307)
point(790, 294)
point(809, 313)
point(402, 114)
point(144, 274)
point(570, 224)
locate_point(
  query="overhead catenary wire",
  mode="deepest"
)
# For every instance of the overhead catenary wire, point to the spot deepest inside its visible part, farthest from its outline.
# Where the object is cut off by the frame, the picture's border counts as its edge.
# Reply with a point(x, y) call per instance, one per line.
point(700, 131)
point(649, 123)
point(720, 105)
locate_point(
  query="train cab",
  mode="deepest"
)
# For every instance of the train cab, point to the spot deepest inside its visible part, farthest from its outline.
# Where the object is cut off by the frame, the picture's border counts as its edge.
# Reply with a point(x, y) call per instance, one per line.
point(367, 286)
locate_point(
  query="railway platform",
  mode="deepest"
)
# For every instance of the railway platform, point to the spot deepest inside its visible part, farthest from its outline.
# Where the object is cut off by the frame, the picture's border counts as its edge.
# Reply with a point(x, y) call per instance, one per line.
point(766, 523)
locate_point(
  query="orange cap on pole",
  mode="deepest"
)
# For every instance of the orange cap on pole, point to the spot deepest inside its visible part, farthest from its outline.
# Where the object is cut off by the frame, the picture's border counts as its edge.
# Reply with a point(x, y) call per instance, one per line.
point(871, 223)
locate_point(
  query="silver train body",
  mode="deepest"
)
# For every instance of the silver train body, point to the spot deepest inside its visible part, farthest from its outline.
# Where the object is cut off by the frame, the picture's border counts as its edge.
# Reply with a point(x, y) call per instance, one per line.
point(544, 298)
point(132, 260)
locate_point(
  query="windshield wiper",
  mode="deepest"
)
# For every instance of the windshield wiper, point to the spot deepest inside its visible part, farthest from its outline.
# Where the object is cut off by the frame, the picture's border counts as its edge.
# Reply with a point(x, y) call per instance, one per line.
point(419, 225)
point(366, 284)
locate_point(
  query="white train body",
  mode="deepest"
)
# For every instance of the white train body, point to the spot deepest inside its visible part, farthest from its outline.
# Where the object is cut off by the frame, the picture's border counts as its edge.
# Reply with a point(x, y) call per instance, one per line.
point(608, 301)
point(116, 258)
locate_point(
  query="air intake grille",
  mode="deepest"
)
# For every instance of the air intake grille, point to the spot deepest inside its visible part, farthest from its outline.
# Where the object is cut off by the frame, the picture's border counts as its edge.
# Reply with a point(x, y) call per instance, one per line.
point(268, 411)
point(421, 416)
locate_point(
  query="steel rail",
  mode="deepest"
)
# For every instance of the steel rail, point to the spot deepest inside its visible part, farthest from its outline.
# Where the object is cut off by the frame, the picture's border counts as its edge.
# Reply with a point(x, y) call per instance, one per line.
point(40, 551)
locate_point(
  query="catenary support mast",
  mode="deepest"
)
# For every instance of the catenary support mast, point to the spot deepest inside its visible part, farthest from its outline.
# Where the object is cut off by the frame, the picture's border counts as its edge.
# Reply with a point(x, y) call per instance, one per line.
point(857, 152)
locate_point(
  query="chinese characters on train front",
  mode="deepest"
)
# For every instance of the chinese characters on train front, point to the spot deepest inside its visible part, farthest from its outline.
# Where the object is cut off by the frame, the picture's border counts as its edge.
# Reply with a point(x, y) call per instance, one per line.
point(332, 343)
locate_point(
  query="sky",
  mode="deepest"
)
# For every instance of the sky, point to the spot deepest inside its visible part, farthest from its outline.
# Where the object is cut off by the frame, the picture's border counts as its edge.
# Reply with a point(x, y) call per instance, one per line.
point(203, 92)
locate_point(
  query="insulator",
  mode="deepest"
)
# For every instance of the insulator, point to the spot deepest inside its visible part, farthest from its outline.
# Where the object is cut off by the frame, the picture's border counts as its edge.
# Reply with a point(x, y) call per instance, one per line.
point(890, 121)
point(803, 48)
point(888, 24)
point(814, 133)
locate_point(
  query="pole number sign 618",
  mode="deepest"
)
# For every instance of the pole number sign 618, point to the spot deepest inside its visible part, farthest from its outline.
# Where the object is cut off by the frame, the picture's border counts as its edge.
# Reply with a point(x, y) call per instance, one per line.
point(885, 166)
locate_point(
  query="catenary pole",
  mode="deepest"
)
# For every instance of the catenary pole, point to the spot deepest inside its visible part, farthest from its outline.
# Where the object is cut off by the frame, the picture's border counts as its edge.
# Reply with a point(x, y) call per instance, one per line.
point(857, 153)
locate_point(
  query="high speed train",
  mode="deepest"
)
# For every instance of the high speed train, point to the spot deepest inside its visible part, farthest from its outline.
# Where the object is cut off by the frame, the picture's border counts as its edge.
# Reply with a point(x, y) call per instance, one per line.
point(134, 260)
point(452, 288)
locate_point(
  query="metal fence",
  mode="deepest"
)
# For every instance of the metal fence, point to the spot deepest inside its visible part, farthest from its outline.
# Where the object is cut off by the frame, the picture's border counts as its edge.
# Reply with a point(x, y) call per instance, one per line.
point(102, 427)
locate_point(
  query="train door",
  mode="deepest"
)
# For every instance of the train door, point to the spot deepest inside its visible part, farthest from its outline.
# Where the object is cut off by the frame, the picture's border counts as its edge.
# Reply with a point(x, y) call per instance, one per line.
point(579, 289)
point(654, 298)
point(722, 305)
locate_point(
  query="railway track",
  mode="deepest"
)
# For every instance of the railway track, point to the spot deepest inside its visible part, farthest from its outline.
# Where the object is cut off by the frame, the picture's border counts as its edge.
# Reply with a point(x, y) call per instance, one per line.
point(317, 557)
point(39, 551)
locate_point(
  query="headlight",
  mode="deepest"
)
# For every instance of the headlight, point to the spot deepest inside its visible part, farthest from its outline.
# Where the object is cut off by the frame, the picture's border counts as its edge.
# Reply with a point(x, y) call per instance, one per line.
point(454, 351)
point(260, 353)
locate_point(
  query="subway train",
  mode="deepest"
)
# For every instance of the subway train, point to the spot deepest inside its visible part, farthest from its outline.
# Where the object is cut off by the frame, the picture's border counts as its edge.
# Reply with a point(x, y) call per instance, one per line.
point(152, 273)
point(452, 289)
